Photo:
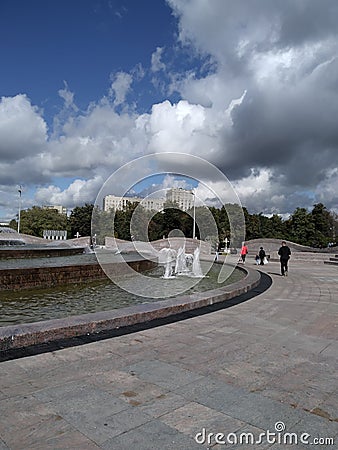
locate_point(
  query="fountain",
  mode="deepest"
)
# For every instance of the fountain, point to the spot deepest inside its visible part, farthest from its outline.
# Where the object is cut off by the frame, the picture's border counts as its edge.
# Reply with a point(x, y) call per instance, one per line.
point(167, 257)
point(180, 263)
point(9, 237)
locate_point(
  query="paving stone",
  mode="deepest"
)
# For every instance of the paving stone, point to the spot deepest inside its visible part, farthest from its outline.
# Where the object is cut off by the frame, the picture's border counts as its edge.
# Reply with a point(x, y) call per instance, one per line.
point(20, 413)
point(103, 426)
point(316, 426)
point(240, 404)
point(243, 368)
point(67, 440)
point(162, 373)
point(3, 446)
point(192, 418)
point(153, 435)
point(32, 435)
point(128, 387)
point(163, 404)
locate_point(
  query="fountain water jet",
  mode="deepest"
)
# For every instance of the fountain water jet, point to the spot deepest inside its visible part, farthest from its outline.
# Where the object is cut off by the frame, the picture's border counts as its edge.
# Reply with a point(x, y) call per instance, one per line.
point(167, 258)
point(196, 266)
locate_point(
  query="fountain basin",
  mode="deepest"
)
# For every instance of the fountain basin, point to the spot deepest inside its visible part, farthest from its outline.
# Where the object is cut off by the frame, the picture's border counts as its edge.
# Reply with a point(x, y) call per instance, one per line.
point(24, 335)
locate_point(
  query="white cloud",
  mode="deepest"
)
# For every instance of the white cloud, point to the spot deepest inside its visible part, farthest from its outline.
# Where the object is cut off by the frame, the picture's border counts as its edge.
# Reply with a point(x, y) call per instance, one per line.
point(23, 132)
point(77, 193)
point(156, 63)
point(181, 127)
point(68, 97)
point(265, 111)
point(120, 86)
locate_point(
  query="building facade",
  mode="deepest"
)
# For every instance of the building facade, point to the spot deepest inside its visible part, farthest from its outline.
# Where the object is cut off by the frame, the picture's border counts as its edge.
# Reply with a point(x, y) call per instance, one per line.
point(120, 203)
point(59, 208)
point(182, 197)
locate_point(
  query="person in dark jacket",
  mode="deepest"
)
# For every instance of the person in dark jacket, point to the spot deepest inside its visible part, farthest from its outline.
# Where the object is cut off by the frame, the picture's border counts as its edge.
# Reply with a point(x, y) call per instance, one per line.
point(261, 255)
point(284, 253)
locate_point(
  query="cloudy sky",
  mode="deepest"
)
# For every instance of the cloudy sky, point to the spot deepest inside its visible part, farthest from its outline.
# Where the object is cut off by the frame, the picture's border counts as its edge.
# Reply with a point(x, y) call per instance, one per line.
point(249, 85)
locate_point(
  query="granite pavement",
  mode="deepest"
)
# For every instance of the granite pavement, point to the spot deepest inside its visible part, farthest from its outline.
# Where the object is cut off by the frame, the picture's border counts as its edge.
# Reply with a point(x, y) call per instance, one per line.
point(261, 374)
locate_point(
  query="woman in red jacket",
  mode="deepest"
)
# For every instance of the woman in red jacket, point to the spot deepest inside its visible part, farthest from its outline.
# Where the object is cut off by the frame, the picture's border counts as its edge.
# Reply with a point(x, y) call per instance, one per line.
point(244, 252)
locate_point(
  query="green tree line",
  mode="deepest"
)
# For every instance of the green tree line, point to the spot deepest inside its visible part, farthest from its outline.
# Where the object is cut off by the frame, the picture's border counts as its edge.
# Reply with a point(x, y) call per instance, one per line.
point(316, 228)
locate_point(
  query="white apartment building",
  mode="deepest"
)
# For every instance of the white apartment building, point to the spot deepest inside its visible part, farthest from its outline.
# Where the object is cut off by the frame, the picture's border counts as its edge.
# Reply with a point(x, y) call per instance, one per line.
point(59, 208)
point(153, 204)
point(120, 203)
point(182, 197)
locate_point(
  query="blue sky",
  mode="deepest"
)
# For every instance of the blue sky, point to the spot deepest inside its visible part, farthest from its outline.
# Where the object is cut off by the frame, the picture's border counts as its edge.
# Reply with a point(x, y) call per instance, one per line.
point(44, 43)
point(250, 86)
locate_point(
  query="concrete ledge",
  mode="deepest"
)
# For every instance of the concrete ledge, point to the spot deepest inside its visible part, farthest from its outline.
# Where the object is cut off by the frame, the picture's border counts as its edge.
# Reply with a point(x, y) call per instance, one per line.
point(19, 336)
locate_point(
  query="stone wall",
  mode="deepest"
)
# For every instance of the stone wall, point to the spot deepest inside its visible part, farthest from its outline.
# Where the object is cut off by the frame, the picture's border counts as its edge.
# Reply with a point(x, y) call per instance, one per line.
point(175, 243)
point(42, 277)
point(272, 246)
point(46, 252)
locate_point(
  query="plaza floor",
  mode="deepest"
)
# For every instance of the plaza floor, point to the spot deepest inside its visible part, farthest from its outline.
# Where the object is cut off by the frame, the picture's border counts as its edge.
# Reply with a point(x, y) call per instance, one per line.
point(268, 365)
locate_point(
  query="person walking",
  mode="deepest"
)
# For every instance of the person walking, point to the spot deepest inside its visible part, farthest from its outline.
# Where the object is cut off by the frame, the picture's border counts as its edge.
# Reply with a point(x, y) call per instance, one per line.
point(244, 252)
point(284, 252)
point(261, 255)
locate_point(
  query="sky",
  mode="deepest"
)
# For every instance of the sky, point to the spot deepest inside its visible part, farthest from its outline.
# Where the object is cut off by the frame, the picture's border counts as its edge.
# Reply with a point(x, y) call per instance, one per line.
point(251, 86)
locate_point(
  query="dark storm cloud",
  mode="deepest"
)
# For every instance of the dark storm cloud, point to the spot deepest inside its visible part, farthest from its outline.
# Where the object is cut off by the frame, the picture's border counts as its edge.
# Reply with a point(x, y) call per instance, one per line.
point(293, 130)
point(307, 20)
point(288, 65)
point(284, 55)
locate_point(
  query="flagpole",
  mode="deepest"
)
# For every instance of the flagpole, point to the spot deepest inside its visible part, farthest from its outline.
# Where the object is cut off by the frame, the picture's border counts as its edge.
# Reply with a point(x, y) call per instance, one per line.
point(19, 215)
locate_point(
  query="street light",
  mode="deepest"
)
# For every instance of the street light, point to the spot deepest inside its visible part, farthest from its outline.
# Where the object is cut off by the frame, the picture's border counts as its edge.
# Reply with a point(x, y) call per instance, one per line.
point(194, 218)
point(19, 215)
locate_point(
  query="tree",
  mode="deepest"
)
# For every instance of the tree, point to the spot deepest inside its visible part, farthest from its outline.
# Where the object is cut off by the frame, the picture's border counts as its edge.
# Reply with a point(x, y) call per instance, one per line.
point(253, 226)
point(80, 220)
point(102, 224)
point(278, 227)
point(156, 226)
point(35, 220)
point(301, 227)
point(322, 220)
point(174, 218)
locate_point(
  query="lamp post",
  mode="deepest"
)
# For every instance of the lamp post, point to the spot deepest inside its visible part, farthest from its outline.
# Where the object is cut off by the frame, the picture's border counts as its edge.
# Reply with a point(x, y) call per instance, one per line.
point(194, 218)
point(19, 214)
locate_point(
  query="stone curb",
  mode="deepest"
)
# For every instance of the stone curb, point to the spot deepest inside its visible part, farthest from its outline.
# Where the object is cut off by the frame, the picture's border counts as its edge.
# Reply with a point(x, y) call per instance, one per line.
point(19, 336)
